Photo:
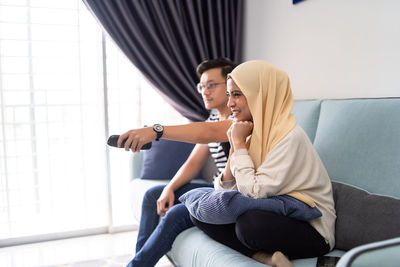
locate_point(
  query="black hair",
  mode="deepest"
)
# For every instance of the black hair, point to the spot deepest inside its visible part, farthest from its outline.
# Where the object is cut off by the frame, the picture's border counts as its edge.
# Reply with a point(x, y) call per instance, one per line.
point(225, 64)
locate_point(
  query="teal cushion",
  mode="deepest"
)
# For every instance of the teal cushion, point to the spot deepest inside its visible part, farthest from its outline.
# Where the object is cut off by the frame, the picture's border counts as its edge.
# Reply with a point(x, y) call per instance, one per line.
point(193, 247)
point(307, 114)
point(359, 143)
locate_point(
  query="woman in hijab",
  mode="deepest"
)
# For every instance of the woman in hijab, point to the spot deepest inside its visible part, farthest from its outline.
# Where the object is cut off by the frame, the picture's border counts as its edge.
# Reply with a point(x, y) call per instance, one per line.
point(272, 155)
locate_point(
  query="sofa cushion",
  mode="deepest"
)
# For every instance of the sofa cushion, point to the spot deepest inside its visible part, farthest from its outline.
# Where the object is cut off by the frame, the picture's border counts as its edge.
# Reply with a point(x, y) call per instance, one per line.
point(224, 206)
point(164, 159)
point(307, 115)
point(358, 142)
point(363, 217)
point(193, 247)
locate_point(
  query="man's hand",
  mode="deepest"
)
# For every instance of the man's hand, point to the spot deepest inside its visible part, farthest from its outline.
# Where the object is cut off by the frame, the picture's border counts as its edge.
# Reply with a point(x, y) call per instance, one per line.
point(238, 132)
point(165, 201)
point(137, 138)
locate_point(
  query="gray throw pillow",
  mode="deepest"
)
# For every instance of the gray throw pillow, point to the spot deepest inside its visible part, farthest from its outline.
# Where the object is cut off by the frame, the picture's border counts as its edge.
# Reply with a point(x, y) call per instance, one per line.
point(363, 217)
point(224, 206)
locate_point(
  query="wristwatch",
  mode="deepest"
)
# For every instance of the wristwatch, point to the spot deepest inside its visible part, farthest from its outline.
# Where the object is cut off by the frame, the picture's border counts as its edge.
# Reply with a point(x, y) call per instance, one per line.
point(159, 129)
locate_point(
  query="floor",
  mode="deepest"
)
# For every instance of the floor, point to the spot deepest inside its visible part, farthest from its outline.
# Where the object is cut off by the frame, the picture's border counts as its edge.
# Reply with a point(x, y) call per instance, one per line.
point(94, 251)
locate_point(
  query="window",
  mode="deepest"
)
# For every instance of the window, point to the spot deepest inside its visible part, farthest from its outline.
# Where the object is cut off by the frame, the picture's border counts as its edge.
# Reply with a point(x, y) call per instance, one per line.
point(53, 157)
point(132, 103)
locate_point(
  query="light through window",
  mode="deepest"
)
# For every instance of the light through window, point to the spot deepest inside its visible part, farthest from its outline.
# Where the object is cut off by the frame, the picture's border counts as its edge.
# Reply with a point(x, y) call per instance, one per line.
point(53, 168)
point(51, 116)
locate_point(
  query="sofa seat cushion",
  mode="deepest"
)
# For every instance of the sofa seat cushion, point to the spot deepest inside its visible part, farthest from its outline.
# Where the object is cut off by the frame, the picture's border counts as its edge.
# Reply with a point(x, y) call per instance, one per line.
point(192, 247)
point(363, 217)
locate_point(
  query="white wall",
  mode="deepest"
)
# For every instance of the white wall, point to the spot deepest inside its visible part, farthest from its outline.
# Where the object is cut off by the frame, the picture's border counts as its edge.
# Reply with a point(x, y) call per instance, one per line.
point(329, 48)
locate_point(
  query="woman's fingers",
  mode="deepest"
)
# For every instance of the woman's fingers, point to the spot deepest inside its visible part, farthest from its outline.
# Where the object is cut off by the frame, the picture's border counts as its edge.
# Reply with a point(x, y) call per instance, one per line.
point(241, 129)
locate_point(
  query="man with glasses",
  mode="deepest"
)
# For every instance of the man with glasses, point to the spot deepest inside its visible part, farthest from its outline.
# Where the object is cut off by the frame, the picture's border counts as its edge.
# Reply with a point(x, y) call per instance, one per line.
point(155, 238)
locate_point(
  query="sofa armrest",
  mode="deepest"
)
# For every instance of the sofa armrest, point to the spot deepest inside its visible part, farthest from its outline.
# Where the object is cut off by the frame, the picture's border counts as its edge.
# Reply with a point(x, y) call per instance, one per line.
point(136, 161)
point(383, 253)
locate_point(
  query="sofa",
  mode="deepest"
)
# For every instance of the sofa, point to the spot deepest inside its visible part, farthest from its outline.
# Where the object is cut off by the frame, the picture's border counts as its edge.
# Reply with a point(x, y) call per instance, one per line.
point(359, 142)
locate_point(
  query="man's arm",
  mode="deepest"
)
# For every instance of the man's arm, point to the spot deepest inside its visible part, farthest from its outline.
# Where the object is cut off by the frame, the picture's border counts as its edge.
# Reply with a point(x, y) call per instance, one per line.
point(196, 132)
point(185, 174)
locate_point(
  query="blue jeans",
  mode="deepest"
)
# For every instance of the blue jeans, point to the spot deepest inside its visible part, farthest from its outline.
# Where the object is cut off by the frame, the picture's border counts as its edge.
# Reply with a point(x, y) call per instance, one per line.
point(155, 237)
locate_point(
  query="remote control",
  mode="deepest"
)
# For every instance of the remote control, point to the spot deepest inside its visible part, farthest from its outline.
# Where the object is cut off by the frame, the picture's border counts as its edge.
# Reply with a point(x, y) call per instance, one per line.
point(112, 141)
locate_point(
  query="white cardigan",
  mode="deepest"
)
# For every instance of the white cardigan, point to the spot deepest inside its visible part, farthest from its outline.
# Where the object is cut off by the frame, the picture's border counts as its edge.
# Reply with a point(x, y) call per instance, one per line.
point(292, 165)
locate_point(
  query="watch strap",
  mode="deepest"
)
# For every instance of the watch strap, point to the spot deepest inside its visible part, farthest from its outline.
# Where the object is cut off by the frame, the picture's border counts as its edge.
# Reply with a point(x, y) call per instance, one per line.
point(158, 128)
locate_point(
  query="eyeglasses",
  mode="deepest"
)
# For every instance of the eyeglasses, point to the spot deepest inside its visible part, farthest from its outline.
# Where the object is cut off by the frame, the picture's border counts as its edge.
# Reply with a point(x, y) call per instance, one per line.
point(210, 87)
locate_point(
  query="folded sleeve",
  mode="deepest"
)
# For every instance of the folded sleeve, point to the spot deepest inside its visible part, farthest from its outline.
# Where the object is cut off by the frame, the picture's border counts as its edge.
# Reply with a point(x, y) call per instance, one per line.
point(219, 184)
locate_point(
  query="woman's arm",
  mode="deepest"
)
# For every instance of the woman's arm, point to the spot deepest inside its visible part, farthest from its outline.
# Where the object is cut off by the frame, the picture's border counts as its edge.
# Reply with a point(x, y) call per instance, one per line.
point(262, 182)
point(288, 167)
point(227, 174)
point(196, 132)
point(267, 179)
point(226, 180)
point(237, 135)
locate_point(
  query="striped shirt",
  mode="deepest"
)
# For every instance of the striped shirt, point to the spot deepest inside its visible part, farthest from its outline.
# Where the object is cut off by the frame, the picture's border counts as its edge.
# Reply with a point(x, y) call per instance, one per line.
point(219, 151)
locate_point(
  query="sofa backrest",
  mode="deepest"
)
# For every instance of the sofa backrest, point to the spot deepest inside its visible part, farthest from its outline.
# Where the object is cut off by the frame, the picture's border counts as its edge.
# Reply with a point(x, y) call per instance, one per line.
point(358, 140)
point(307, 115)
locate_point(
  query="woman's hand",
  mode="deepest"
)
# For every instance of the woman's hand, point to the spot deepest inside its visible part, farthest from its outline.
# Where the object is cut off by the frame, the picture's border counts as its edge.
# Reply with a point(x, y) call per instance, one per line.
point(229, 134)
point(238, 133)
point(165, 201)
point(137, 138)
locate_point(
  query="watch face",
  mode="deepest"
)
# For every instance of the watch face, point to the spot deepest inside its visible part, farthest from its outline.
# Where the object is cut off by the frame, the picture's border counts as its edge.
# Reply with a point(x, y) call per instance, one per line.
point(158, 128)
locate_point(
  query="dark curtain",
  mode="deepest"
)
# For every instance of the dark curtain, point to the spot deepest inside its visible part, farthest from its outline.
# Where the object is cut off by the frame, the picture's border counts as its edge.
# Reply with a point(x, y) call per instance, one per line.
point(167, 39)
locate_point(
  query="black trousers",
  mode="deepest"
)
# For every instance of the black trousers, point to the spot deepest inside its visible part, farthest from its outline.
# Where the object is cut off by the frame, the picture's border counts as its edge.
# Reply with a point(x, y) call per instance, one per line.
point(257, 230)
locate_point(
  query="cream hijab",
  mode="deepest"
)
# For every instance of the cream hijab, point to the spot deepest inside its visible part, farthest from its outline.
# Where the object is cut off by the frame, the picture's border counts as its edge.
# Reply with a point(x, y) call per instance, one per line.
point(270, 100)
point(269, 97)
